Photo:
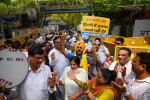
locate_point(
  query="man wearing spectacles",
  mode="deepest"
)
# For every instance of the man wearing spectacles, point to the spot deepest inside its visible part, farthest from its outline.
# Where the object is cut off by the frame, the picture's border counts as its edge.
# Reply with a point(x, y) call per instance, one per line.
point(58, 62)
point(118, 42)
point(39, 81)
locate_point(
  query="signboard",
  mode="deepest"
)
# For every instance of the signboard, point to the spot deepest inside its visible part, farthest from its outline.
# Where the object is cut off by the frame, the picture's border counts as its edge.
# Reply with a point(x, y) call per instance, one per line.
point(13, 22)
point(33, 17)
point(141, 28)
point(31, 12)
point(13, 67)
point(95, 26)
point(59, 7)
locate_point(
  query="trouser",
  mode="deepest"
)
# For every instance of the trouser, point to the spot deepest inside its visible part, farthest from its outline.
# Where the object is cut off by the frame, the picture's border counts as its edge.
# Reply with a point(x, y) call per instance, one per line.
point(60, 93)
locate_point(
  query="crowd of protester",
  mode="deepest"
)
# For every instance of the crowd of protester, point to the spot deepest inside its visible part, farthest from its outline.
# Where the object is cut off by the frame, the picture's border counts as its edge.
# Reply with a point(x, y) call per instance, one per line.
point(71, 66)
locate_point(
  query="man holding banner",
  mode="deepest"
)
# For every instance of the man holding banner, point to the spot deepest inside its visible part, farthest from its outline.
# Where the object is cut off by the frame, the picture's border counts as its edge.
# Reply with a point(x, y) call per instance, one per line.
point(38, 82)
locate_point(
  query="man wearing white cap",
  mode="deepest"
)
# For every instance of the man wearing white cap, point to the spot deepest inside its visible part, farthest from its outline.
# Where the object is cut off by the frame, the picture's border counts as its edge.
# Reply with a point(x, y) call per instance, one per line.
point(88, 50)
point(50, 39)
point(39, 39)
point(86, 38)
point(101, 63)
point(72, 50)
point(67, 43)
point(100, 47)
point(72, 40)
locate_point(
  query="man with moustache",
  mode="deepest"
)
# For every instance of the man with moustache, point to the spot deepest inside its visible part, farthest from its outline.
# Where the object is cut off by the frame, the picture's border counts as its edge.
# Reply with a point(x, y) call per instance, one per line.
point(79, 48)
point(123, 66)
point(39, 80)
point(58, 62)
point(137, 85)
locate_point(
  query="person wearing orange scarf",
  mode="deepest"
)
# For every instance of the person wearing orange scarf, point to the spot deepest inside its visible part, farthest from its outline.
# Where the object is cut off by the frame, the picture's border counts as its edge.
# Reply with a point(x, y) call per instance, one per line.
point(79, 48)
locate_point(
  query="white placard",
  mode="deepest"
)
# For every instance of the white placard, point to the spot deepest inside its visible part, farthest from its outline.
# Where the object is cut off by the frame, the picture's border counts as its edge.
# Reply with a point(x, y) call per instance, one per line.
point(13, 67)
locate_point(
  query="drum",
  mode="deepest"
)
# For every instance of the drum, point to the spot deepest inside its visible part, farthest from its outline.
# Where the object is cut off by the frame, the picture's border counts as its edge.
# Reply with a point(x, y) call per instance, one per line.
point(13, 67)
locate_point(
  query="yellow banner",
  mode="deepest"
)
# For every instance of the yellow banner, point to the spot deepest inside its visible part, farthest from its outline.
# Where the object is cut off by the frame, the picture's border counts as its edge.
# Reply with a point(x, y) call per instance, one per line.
point(95, 26)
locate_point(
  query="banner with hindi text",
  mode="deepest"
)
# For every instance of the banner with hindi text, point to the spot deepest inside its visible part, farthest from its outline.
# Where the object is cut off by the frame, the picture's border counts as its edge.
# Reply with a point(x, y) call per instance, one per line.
point(95, 26)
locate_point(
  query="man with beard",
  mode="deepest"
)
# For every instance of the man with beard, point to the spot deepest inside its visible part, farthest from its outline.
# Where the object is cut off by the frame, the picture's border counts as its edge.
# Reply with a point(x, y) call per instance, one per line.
point(123, 66)
point(79, 48)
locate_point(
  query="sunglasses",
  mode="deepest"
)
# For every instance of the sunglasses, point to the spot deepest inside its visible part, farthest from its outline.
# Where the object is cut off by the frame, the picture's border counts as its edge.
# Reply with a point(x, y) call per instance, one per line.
point(117, 43)
point(89, 52)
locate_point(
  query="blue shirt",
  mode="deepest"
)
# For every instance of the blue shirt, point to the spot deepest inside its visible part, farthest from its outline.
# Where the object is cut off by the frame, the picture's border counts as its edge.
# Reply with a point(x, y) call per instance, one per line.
point(70, 55)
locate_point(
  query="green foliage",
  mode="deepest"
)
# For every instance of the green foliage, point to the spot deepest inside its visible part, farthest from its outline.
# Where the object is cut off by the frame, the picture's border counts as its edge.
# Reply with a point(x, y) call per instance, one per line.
point(16, 6)
point(7, 2)
point(3, 8)
point(73, 19)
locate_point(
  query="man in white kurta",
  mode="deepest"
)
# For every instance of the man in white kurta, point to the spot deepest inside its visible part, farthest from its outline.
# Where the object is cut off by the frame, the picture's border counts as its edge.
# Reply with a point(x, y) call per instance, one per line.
point(124, 55)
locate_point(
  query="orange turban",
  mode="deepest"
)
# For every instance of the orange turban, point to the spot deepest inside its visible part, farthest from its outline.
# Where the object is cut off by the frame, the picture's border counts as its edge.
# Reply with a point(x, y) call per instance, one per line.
point(81, 44)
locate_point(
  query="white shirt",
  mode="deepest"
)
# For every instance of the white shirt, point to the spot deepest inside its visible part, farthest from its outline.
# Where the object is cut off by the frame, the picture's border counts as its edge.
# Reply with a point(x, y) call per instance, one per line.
point(103, 49)
point(39, 40)
point(94, 69)
point(139, 90)
point(127, 65)
point(35, 86)
point(72, 87)
point(59, 63)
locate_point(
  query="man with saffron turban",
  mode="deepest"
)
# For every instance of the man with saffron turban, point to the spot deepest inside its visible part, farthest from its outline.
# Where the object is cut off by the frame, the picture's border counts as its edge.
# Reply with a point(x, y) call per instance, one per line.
point(79, 48)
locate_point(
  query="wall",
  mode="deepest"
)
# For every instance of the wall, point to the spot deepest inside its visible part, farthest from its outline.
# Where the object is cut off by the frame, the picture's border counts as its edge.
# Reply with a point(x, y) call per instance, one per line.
point(20, 32)
point(116, 30)
point(141, 28)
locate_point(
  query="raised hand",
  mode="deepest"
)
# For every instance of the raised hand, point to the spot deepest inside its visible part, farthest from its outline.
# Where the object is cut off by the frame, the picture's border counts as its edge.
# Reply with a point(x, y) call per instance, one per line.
point(94, 49)
point(71, 75)
point(63, 37)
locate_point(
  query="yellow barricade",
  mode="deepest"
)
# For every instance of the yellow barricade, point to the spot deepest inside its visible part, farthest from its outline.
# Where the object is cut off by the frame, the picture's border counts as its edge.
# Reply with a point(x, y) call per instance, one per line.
point(137, 41)
point(20, 38)
point(130, 41)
